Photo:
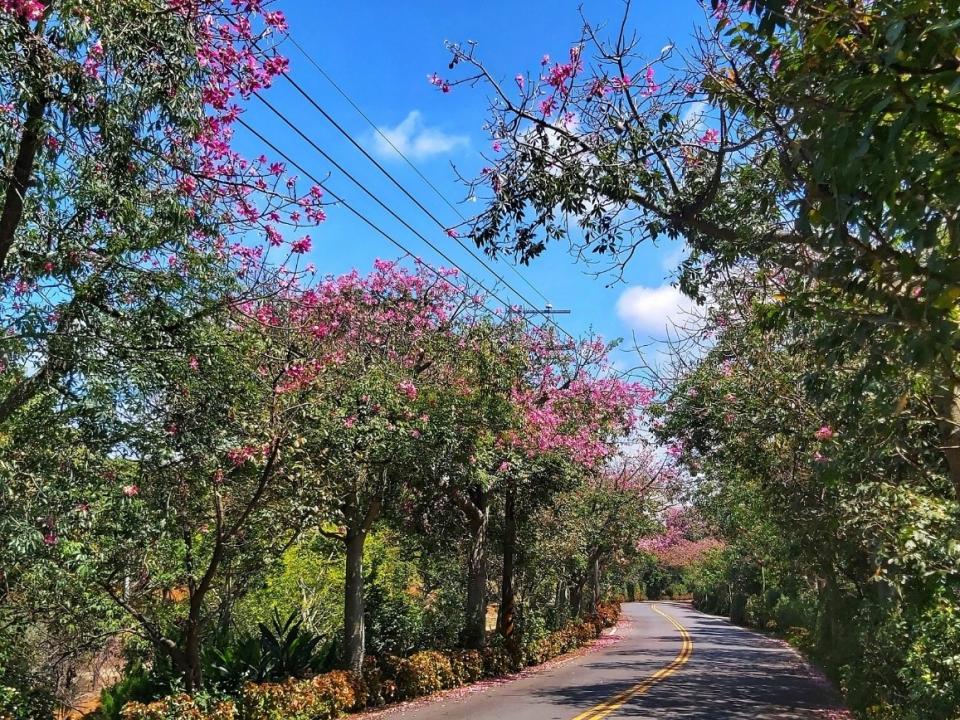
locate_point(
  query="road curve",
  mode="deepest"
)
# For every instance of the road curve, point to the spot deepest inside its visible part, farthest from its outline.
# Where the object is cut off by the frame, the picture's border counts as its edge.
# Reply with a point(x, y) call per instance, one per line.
point(671, 662)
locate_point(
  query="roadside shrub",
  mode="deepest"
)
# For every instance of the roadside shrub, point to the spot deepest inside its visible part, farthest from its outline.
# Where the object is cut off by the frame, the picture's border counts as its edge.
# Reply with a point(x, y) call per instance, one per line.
point(800, 637)
point(178, 707)
point(384, 680)
point(791, 613)
point(755, 612)
point(423, 673)
point(498, 661)
point(324, 697)
point(380, 689)
point(466, 666)
point(608, 613)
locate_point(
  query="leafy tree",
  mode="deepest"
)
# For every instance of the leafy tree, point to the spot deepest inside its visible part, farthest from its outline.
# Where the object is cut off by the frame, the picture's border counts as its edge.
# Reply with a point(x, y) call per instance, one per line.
point(813, 143)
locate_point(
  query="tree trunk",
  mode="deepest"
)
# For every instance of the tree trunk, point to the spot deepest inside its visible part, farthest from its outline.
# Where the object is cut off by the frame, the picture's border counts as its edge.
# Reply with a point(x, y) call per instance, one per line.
point(576, 597)
point(506, 625)
point(192, 670)
point(354, 632)
point(16, 191)
point(595, 584)
point(474, 633)
point(950, 434)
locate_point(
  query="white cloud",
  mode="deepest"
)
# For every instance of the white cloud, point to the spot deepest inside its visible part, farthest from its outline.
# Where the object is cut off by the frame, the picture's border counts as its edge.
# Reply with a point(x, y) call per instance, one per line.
point(694, 118)
point(653, 310)
point(415, 140)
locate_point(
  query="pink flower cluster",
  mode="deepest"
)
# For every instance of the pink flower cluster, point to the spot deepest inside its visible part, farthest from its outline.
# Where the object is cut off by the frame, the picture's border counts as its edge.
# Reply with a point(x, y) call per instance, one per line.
point(25, 9)
point(683, 542)
point(584, 416)
point(824, 433)
point(560, 78)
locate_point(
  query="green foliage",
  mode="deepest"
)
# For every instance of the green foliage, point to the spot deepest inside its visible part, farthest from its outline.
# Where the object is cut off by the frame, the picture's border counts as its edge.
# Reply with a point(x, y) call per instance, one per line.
point(324, 697)
point(180, 707)
point(283, 648)
point(138, 685)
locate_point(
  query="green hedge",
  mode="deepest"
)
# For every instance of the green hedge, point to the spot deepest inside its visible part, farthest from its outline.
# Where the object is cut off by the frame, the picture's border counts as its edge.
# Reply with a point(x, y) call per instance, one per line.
point(390, 678)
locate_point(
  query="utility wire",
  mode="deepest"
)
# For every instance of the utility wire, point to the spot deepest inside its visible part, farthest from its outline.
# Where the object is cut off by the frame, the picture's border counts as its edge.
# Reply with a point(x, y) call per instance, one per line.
point(420, 174)
point(341, 201)
point(323, 153)
point(393, 213)
point(420, 205)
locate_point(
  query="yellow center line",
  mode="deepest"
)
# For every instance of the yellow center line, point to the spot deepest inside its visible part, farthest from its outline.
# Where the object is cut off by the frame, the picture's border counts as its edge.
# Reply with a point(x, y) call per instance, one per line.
point(617, 701)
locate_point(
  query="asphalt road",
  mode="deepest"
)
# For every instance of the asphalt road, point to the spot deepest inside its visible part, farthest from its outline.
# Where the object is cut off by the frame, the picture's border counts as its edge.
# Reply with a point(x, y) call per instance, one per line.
point(671, 662)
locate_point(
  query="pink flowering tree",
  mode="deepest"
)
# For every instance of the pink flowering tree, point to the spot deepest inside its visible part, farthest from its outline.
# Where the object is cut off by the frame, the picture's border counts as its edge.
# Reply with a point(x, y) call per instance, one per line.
point(127, 208)
point(369, 353)
point(590, 530)
point(524, 414)
point(683, 540)
point(572, 411)
point(128, 222)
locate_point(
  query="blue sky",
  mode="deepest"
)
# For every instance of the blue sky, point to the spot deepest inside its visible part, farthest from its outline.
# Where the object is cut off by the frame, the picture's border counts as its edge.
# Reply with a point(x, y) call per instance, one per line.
point(380, 53)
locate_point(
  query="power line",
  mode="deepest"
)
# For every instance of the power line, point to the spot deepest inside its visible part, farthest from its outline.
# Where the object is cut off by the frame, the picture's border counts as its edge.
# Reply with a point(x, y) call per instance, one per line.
point(340, 200)
point(393, 213)
point(407, 160)
point(400, 186)
point(323, 153)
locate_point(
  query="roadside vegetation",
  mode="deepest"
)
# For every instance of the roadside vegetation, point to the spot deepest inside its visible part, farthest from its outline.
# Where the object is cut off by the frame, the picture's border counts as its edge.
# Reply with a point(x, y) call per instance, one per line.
point(234, 486)
point(807, 154)
point(231, 484)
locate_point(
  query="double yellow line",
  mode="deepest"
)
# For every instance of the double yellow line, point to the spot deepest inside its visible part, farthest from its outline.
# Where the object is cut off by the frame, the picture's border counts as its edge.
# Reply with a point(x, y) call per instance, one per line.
point(617, 701)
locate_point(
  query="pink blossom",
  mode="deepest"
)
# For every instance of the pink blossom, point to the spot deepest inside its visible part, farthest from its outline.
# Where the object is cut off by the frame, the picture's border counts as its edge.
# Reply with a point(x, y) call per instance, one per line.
point(652, 86)
point(496, 146)
point(520, 81)
point(350, 421)
point(407, 388)
point(238, 456)
point(545, 60)
point(710, 137)
point(26, 9)
point(452, 232)
point(276, 19)
point(50, 538)
point(824, 433)
point(131, 490)
point(302, 245)
point(187, 185)
point(194, 363)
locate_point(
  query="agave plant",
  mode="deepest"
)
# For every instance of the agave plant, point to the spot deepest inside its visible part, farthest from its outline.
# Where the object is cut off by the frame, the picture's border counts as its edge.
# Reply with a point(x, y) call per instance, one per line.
point(283, 648)
point(287, 649)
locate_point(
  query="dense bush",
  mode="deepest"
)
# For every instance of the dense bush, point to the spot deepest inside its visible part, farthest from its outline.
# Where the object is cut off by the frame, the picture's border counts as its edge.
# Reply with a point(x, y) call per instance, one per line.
point(386, 679)
point(321, 698)
point(423, 673)
point(179, 707)
point(466, 666)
